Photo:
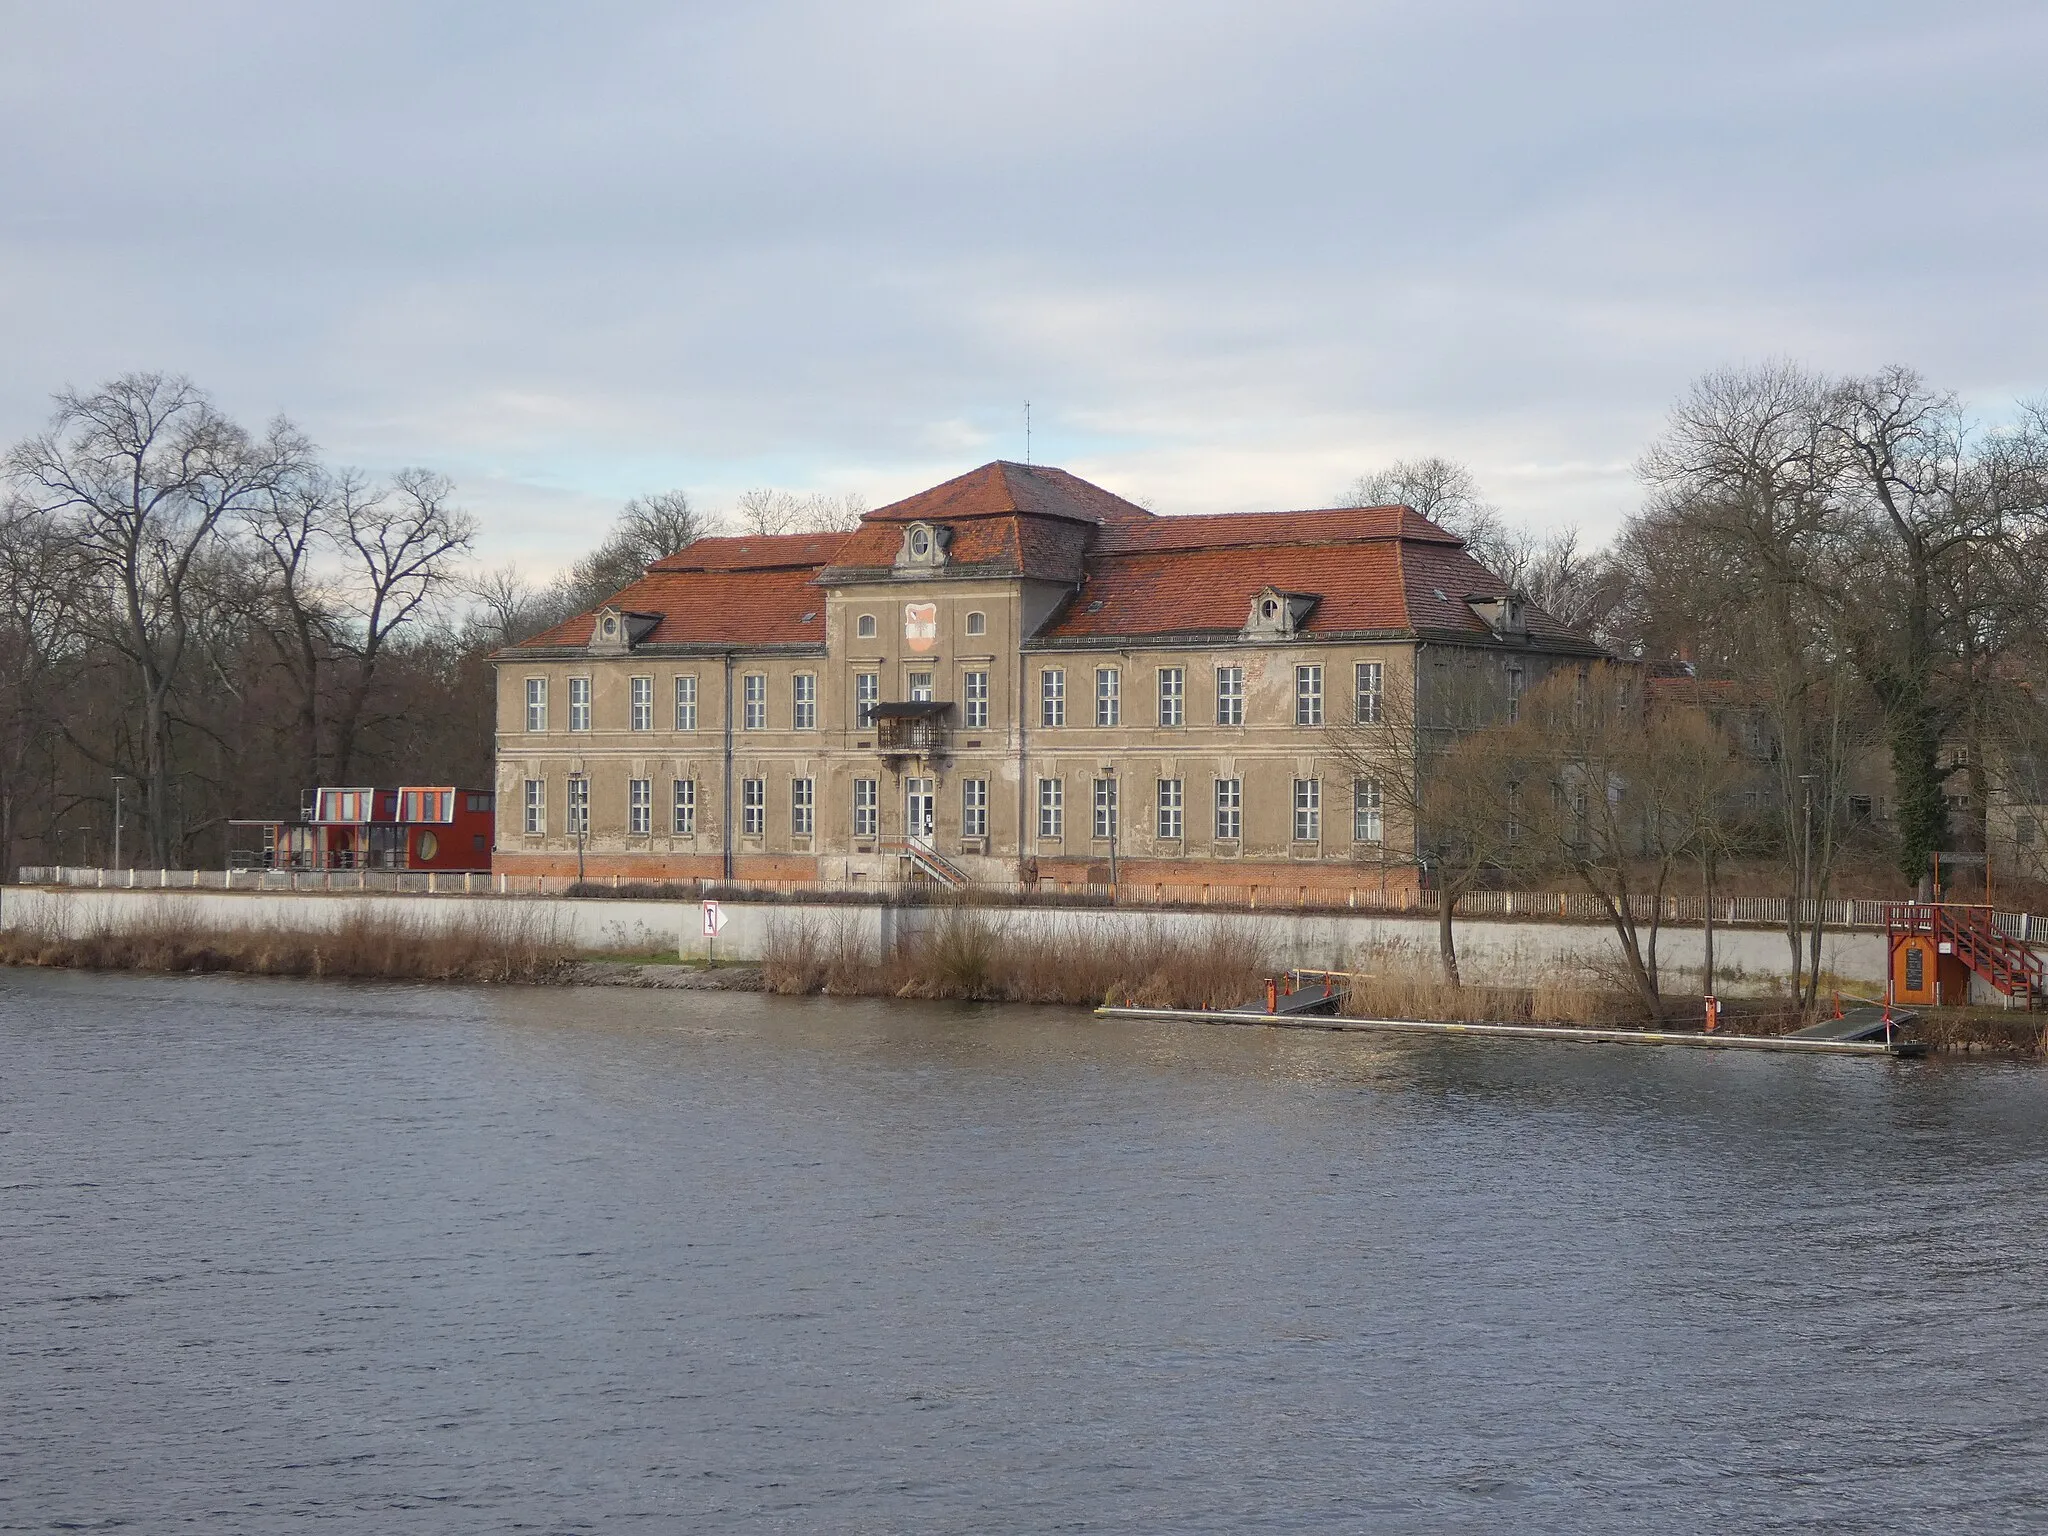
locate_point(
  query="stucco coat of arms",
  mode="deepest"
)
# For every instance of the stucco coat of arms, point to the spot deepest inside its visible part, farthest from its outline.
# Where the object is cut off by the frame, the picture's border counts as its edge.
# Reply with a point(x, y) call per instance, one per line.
point(920, 625)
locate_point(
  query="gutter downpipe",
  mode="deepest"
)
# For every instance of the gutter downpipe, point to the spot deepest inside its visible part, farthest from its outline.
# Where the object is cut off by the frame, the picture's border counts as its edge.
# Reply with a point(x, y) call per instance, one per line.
point(725, 800)
point(1023, 744)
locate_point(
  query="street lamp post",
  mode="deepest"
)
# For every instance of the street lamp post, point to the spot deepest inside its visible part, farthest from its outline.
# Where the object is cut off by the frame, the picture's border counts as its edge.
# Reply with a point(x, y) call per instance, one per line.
point(1109, 773)
point(580, 804)
point(119, 780)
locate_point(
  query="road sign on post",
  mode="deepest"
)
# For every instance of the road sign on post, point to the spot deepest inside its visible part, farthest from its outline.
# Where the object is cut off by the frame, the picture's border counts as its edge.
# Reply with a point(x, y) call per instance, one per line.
point(714, 919)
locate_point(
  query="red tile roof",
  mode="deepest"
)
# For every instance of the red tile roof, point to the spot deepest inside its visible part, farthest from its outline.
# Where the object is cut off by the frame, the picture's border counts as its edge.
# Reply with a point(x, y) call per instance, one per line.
point(1384, 570)
point(754, 552)
point(779, 606)
point(1004, 545)
point(1229, 530)
point(994, 490)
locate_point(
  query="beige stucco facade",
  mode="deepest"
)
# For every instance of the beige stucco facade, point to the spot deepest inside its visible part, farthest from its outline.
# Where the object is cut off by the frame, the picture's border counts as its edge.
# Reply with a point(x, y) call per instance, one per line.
point(1046, 756)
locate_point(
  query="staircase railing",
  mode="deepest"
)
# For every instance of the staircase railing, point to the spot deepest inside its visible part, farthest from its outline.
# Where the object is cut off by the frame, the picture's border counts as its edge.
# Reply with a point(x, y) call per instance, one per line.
point(928, 859)
point(1974, 936)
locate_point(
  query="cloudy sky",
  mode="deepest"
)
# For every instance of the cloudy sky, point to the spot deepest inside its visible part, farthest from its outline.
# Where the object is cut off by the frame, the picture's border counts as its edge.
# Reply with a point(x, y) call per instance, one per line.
point(1233, 253)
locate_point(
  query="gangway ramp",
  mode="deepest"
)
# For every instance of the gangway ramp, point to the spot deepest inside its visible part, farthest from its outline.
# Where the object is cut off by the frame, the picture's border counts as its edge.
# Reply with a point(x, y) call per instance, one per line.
point(1866, 1021)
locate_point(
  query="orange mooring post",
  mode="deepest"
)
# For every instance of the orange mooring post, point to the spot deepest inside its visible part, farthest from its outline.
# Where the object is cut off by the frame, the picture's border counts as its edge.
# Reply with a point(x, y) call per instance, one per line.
point(1272, 995)
point(1713, 1013)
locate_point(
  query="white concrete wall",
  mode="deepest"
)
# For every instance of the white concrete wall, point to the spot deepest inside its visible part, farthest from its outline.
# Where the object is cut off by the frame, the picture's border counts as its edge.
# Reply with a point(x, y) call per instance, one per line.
point(1748, 959)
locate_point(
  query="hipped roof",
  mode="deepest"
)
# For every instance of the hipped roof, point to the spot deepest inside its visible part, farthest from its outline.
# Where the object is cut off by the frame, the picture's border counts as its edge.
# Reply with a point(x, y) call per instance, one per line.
point(1382, 571)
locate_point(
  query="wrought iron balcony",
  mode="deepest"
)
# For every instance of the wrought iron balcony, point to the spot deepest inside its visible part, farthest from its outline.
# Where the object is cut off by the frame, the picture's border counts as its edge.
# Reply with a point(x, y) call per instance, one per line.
point(917, 728)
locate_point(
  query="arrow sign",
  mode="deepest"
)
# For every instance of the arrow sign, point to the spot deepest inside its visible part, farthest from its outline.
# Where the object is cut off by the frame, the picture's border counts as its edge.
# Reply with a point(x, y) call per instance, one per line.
point(714, 919)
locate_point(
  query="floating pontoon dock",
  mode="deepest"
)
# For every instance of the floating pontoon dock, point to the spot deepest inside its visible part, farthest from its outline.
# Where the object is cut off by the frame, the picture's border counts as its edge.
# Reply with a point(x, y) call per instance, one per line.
point(1824, 1039)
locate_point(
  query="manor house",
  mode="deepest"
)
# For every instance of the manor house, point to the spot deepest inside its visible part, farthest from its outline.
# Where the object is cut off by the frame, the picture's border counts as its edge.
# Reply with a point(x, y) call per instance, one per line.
point(1015, 676)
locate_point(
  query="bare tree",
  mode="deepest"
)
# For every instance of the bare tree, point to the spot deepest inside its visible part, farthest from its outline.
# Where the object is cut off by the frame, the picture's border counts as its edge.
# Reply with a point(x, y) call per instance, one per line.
point(1934, 505)
point(143, 472)
point(399, 550)
point(292, 533)
point(42, 587)
point(506, 608)
point(1427, 753)
point(649, 528)
point(768, 512)
point(1732, 564)
point(1447, 493)
point(1609, 797)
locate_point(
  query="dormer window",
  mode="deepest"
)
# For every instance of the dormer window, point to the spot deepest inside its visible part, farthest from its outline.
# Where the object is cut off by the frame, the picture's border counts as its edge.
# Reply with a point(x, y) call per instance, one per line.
point(615, 631)
point(1276, 614)
point(1505, 614)
point(924, 546)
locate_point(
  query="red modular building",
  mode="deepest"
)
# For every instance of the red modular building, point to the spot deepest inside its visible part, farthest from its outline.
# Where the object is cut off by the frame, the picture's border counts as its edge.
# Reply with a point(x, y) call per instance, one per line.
point(417, 826)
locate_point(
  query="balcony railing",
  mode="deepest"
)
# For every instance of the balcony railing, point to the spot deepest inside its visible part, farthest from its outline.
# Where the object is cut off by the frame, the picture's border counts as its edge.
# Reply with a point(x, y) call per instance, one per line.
point(916, 728)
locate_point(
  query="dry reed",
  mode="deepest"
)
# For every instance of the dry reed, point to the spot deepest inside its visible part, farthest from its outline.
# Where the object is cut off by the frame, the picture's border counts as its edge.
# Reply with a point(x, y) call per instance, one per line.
point(512, 946)
point(1399, 982)
point(973, 955)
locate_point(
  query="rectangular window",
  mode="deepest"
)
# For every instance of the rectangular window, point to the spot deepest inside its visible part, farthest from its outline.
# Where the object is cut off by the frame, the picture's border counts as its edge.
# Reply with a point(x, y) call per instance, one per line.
point(1052, 808)
point(579, 703)
point(536, 703)
point(1368, 818)
point(1514, 695)
point(866, 799)
point(803, 702)
point(754, 807)
point(684, 821)
point(1308, 695)
point(867, 693)
point(576, 815)
point(803, 807)
point(639, 806)
point(1369, 680)
point(920, 687)
point(1052, 697)
point(536, 807)
point(686, 702)
point(1105, 808)
point(1308, 810)
point(1169, 810)
point(1108, 706)
point(1230, 695)
point(974, 689)
point(974, 807)
point(1229, 810)
point(643, 703)
point(1173, 684)
point(754, 701)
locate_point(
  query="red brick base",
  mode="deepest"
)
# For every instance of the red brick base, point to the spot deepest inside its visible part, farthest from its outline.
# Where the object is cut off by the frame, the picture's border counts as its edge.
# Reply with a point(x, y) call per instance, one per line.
point(1233, 880)
point(657, 867)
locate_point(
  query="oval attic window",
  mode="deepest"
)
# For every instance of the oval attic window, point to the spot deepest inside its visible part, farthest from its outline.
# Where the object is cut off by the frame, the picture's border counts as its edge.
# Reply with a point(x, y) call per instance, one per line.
point(1270, 608)
point(921, 542)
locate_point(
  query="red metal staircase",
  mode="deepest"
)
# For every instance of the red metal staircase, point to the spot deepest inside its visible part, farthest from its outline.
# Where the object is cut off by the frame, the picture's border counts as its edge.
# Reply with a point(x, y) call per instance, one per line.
point(1972, 935)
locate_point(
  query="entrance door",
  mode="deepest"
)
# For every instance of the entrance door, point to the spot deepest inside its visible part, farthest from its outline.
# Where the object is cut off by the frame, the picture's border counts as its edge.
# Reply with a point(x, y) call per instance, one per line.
point(917, 809)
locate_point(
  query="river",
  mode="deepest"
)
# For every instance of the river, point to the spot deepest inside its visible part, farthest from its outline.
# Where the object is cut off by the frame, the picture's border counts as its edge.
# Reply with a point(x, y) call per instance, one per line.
point(288, 1256)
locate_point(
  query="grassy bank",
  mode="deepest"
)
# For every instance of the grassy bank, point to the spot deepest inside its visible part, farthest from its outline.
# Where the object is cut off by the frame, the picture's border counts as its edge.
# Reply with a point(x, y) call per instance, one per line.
point(509, 946)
